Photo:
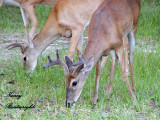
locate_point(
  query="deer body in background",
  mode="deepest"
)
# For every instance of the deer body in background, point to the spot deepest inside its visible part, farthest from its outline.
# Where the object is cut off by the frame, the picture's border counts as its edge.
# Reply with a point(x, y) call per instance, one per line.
point(67, 18)
point(27, 11)
point(109, 26)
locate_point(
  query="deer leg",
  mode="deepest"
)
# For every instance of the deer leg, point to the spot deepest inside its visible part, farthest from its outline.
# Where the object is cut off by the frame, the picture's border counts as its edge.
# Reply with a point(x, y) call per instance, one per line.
point(124, 73)
point(131, 54)
point(114, 62)
point(126, 51)
point(98, 71)
point(26, 21)
point(32, 16)
point(104, 60)
point(79, 46)
point(131, 49)
point(76, 36)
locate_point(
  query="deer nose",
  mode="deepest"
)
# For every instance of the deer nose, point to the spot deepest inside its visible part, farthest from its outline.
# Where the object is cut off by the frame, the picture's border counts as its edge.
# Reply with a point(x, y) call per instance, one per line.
point(68, 104)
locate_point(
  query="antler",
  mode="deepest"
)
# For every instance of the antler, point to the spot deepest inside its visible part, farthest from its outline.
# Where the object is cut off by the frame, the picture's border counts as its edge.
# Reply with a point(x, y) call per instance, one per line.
point(80, 62)
point(13, 45)
point(56, 62)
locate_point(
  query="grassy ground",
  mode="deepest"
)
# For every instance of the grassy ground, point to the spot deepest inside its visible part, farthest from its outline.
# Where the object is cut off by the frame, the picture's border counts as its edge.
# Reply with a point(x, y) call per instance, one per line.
point(11, 20)
point(148, 29)
point(46, 88)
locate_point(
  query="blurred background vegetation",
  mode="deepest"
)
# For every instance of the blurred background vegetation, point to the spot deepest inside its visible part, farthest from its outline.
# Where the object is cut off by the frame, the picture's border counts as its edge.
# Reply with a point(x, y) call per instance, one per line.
point(148, 30)
point(46, 89)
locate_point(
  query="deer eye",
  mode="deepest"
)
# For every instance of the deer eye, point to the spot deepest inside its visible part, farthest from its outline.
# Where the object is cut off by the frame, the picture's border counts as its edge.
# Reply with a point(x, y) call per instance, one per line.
point(74, 83)
point(25, 58)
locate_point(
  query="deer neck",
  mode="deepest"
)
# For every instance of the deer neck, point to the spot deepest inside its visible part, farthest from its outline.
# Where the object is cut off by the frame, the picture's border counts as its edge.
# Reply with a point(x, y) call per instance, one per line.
point(48, 34)
point(93, 48)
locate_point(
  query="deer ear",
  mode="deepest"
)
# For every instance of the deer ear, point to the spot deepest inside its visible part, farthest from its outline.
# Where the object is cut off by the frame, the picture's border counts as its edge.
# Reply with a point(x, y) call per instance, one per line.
point(76, 70)
point(89, 64)
point(68, 62)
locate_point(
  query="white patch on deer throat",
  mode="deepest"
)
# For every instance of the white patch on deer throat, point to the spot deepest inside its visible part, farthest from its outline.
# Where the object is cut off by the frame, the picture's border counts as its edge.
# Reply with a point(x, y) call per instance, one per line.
point(78, 96)
point(11, 2)
point(33, 66)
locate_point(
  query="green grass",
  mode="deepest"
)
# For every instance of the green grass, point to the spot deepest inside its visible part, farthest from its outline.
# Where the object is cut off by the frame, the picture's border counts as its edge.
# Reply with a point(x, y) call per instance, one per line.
point(46, 88)
point(148, 29)
point(11, 20)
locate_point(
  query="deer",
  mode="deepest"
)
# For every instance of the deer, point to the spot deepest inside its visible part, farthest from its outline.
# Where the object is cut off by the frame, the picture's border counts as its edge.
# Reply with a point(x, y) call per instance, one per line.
point(113, 22)
point(27, 11)
point(68, 18)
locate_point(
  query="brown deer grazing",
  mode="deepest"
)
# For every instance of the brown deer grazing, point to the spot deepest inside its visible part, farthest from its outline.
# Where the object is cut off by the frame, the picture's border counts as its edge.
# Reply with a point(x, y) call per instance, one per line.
point(109, 25)
point(67, 18)
point(27, 11)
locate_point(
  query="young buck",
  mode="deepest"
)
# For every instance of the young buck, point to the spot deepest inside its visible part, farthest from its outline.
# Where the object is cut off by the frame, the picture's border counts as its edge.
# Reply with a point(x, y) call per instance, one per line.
point(67, 18)
point(27, 11)
point(110, 24)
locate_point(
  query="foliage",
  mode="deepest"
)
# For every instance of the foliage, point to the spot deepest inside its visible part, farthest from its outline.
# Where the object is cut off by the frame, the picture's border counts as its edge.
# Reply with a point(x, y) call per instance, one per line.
point(46, 88)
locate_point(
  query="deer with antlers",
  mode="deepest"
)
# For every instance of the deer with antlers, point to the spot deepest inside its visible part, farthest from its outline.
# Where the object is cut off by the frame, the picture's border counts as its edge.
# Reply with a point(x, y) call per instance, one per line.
point(27, 11)
point(110, 24)
point(67, 19)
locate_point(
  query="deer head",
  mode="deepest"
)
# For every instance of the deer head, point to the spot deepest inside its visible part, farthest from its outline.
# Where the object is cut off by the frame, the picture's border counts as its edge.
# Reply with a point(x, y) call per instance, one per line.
point(75, 74)
point(30, 54)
